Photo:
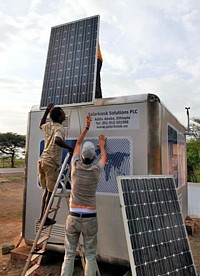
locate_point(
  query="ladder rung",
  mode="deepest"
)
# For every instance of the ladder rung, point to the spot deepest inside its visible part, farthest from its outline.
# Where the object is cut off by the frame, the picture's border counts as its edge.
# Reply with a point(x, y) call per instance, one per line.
point(37, 254)
point(45, 226)
point(30, 270)
point(61, 195)
point(41, 240)
point(53, 209)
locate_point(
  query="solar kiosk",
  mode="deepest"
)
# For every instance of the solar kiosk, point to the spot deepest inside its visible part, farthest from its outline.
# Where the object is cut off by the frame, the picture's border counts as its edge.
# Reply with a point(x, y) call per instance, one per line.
point(137, 141)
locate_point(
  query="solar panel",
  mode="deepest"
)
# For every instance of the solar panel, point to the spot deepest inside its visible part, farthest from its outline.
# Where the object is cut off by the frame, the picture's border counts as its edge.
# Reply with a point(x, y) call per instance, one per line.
point(70, 72)
point(155, 231)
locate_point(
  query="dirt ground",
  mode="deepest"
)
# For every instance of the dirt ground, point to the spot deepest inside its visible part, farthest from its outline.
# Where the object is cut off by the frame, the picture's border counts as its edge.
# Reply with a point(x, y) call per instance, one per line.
point(11, 200)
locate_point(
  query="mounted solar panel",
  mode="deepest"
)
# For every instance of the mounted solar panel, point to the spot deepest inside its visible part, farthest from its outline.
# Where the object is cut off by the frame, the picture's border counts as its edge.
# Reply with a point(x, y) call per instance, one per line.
point(155, 231)
point(70, 72)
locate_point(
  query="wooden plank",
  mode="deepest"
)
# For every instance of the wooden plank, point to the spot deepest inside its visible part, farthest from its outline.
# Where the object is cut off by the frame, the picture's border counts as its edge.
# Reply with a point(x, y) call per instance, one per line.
point(30, 270)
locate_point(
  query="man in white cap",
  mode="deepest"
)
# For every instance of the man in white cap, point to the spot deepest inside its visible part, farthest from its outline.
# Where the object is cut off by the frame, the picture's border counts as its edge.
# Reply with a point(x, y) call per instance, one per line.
point(82, 217)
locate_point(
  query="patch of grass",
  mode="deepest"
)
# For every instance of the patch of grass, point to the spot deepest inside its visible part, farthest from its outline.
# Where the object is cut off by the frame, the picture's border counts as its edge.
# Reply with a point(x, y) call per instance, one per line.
point(198, 178)
point(19, 163)
point(6, 163)
point(15, 177)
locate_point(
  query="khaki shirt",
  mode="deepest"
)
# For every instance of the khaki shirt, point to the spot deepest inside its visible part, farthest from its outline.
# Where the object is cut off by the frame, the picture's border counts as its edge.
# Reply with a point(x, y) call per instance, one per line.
point(52, 152)
point(84, 181)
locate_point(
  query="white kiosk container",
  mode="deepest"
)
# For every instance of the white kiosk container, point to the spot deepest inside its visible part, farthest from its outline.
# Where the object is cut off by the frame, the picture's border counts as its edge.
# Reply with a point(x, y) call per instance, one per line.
point(143, 138)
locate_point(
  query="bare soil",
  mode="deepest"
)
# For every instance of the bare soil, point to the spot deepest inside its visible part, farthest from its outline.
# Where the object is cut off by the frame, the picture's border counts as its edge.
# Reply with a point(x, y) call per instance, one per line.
point(11, 205)
point(11, 196)
point(11, 201)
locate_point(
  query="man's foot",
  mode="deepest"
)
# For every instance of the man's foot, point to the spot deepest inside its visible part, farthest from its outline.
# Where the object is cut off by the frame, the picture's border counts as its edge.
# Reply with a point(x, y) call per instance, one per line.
point(49, 221)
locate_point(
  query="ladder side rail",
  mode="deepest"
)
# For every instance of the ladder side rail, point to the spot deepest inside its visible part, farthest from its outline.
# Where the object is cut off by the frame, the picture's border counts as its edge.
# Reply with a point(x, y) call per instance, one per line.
point(63, 182)
point(67, 178)
point(46, 214)
point(44, 244)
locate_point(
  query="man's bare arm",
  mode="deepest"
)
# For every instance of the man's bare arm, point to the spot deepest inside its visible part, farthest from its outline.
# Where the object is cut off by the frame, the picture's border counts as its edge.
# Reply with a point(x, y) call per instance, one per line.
point(82, 136)
point(102, 142)
point(61, 143)
point(44, 118)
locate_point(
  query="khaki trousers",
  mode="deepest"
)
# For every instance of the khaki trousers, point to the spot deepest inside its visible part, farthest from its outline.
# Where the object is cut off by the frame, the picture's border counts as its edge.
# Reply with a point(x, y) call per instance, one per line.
point(74, 227)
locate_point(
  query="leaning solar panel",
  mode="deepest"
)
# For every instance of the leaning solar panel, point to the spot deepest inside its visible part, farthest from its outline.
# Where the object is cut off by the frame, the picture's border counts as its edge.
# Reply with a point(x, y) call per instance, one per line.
point(155, 232)
point(70, 72)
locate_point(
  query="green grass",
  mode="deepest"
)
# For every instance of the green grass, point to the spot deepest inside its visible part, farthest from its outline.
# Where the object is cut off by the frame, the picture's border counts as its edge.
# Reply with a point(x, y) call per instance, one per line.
point(198, 178)
point(6, 163)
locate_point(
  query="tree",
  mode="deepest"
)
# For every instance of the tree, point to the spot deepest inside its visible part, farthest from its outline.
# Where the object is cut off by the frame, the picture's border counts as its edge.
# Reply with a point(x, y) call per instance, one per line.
point(193, 149)
point(193, 159)
point(10, 143)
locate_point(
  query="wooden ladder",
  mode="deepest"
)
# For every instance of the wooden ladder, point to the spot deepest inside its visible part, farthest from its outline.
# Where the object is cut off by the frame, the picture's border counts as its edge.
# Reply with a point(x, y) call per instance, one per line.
point(35, 256)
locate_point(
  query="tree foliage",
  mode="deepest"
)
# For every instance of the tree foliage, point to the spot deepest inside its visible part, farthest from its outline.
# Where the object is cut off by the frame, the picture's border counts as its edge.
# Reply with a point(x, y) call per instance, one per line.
point(10, 143)
point(193, 150)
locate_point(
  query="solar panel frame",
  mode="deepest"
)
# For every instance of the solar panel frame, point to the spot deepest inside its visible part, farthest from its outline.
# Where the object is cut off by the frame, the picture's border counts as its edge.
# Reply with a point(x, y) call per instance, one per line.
point(136, 259)
point(70, 70)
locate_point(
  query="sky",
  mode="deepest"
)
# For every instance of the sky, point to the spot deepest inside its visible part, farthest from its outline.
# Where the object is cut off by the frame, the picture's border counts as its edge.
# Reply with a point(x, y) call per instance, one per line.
point(148, 46)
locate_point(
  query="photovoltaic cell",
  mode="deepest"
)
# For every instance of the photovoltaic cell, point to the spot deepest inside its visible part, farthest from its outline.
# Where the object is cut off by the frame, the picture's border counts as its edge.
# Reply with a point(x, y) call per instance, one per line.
point(155, 231)
point(70, 72)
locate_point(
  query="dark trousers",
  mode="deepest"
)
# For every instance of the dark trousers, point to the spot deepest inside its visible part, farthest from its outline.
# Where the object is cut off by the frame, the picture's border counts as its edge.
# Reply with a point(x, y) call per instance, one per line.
point(98, 93)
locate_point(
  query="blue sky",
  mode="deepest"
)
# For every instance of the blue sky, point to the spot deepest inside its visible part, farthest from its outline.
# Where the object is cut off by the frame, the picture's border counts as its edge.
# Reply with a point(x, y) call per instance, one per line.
point(148, 46)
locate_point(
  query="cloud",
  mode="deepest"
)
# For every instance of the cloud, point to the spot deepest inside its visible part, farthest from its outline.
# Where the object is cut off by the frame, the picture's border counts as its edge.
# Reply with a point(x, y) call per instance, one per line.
point(18, 96)
point(190, 66)
point(147, 46)
point(174, 92)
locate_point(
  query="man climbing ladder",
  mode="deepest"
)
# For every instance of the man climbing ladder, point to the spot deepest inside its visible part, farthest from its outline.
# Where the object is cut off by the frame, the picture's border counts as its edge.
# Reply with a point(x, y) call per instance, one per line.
point(50, 160)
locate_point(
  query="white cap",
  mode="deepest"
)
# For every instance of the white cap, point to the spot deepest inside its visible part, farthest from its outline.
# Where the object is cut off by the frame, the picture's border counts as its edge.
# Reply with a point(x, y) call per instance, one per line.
point(88, 150)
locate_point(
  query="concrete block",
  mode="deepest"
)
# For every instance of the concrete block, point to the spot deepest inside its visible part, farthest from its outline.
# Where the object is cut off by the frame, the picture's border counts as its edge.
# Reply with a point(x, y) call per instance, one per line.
point(7, 247)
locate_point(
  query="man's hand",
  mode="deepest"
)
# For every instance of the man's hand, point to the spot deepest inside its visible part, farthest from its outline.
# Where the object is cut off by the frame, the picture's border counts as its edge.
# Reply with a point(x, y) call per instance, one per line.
point(61, 143)
point(50, 106)
point(88, 120)
point(102, 141)
point(43, 120)
point(71, 150)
